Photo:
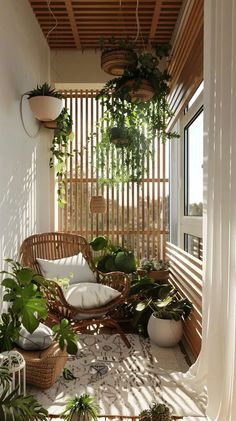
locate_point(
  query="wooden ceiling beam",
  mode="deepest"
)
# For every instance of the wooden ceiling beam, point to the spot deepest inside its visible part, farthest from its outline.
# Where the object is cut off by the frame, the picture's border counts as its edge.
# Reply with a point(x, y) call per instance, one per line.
point(71, 16)
point(155, 18)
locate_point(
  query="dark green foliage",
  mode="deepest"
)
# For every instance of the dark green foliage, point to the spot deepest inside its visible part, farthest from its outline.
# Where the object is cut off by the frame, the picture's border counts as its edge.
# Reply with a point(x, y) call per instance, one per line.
point(156, 412)
point(66, 337)
point(81, 405)
point(68, 375)
point(15, 406)
point(139, 121)
point(44, 90)
point(25, 293)
point(63, 136)
point(114, 258)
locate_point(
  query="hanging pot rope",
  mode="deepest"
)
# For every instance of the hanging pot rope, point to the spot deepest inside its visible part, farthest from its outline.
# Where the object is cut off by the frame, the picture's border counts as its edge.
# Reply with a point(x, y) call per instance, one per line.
point(54, 17)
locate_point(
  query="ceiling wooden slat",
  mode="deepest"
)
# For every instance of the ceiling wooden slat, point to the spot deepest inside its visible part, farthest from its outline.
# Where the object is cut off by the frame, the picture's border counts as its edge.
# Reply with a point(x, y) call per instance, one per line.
point(70, 12)
point(81, 23)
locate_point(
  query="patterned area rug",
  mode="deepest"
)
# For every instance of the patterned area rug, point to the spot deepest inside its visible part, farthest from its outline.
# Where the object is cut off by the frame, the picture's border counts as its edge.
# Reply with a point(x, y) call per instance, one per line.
point(125, 381)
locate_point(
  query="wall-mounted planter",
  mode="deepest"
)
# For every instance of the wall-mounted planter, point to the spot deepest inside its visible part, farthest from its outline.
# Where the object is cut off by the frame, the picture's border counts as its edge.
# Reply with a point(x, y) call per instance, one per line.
point(116, 61)
point(46, 108)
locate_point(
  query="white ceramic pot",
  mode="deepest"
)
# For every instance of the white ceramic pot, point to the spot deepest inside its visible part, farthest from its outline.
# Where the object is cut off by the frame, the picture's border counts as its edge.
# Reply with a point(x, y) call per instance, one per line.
point(164, 333)
point(46, 108)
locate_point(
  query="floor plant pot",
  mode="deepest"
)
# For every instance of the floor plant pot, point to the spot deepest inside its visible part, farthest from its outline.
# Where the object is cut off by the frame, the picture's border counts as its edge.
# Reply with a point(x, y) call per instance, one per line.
point(142, 91)
point(116, 61)
point(160, 276)
point(46, 108)
point(163, 332)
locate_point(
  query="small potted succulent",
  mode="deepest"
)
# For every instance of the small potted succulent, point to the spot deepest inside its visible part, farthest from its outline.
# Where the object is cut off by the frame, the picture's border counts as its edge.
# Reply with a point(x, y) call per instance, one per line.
point(117, 55)
point(155, 268)
point(81, 408)
point(156, 412)
point(45, 102)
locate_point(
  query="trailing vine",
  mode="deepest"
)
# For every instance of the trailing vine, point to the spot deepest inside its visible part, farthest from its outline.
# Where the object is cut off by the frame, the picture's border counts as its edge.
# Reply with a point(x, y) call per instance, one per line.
point(63, 136)
point(137, 121)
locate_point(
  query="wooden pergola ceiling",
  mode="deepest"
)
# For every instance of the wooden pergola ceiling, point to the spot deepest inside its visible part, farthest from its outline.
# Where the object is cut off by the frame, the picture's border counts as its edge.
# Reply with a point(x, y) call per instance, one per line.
point(77, 24)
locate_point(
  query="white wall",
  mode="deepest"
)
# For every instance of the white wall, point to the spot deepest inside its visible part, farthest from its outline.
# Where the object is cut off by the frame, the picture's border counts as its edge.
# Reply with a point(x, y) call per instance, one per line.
point(77, 67)
point(24, 169)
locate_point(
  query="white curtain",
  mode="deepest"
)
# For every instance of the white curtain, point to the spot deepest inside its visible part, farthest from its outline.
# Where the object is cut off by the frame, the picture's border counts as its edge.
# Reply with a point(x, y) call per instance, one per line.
point(215, 368)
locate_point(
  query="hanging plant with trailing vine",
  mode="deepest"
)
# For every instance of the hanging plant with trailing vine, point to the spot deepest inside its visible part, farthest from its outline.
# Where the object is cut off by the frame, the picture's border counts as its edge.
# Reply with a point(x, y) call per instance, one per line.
point(62, 139)
point(126, 157)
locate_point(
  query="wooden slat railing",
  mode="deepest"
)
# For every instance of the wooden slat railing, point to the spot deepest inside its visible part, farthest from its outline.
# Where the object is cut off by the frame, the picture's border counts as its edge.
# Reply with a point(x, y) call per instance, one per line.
point(186, 276)
point(111, 418)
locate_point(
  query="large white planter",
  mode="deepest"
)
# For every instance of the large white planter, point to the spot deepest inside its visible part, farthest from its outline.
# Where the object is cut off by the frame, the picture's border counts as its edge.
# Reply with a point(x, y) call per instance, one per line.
point(164, 333)
point(46, 108)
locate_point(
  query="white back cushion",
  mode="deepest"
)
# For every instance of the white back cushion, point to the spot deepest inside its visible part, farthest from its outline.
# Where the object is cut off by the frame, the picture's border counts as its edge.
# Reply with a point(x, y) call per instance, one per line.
point(87, 295)
point(73, 267)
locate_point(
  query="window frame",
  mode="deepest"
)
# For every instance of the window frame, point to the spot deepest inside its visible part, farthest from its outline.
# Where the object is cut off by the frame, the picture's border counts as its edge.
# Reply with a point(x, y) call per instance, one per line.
point(187, 224)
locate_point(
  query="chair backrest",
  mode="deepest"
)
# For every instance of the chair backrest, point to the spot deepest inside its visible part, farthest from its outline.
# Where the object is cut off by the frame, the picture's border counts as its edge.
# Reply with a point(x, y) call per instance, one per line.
point(53, 245)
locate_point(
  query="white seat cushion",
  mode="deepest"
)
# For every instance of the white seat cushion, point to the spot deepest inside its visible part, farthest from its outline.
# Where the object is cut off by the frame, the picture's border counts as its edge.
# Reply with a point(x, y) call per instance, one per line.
point(40, 339)
point(87, 295)
point(74, 268)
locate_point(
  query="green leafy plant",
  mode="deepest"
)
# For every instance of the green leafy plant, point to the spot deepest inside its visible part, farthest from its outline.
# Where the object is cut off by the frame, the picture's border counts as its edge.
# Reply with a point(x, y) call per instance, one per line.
point(113, 43)
point(62, 139)
point(156, 412)
point(83, 406)
point(114, 258)
point(16, 406)
point(154, 264)
point(165, 305)
point(141, 121)
point(44, 90)
point(25, 293)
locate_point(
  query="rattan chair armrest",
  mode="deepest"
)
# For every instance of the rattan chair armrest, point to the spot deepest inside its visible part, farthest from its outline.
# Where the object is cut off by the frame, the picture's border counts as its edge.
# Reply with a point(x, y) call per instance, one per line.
point(117, 280)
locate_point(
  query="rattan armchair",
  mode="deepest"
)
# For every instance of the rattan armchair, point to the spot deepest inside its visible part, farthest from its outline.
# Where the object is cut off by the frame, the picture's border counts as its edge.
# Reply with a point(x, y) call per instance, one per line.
point(55, 245)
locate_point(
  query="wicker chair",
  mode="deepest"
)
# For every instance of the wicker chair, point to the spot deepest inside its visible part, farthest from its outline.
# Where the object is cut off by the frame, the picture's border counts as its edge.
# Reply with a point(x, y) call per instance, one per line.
point(55, 245)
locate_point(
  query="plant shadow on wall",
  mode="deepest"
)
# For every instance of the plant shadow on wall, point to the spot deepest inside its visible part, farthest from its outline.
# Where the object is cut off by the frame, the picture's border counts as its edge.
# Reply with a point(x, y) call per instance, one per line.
point(135, 112)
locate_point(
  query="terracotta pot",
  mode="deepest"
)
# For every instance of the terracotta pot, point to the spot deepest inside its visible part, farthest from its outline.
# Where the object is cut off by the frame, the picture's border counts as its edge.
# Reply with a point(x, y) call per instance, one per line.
point(116, 61)
point(143, 92)
point(157, 275)
point(117, 137)
point(46, 108)
point(164, 332)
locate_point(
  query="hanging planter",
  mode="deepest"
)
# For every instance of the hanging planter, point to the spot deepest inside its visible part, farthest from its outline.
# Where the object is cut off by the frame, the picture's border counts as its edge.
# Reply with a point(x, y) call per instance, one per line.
point(45, 103)
point(139, 91)
point(118, 55)
point(115, 62)
point(97, 204)
point(119, 137)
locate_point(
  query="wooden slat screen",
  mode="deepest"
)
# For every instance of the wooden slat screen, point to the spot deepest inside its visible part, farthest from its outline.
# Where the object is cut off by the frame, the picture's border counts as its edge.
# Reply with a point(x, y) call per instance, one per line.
point(186, 63)
point(137, 215)
point(186, 276)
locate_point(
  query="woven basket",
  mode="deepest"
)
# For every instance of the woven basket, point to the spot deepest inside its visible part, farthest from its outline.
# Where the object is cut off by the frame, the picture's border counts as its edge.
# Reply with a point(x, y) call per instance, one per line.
point(44, 367)
point(143, 92)
point(116, 61)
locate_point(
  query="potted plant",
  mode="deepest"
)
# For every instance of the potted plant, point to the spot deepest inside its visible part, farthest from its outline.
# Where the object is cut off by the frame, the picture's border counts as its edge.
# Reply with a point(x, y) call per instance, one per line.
point(81, 408)
point(17, 406)
point(62, 139)
point(156, 412)
point(157, 269)
point(165, 326)
point(25, 293)
point(138, 111)
point(114, 258)
point(117, 55)
point(45, 102)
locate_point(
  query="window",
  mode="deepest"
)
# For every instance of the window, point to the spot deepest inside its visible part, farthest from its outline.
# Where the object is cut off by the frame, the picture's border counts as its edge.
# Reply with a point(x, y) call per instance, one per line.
point(190, 192)
point(193, 245)
point(193, 159)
